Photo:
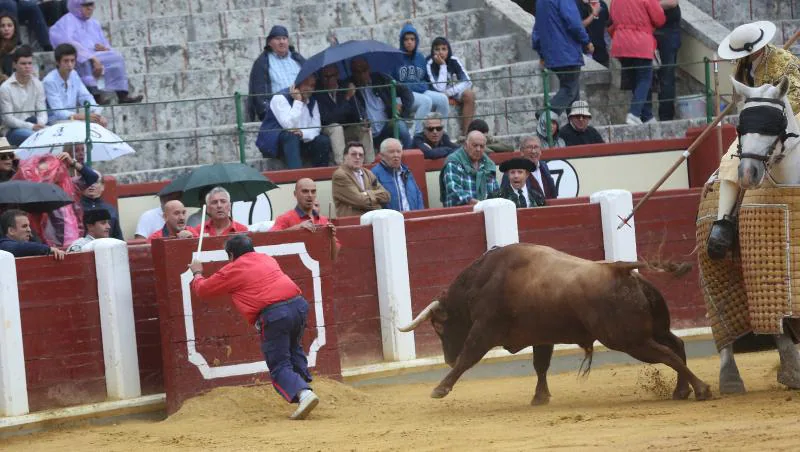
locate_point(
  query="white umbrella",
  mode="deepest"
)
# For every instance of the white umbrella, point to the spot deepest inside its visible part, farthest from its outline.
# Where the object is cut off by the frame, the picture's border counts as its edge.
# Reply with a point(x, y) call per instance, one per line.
point(106, 145)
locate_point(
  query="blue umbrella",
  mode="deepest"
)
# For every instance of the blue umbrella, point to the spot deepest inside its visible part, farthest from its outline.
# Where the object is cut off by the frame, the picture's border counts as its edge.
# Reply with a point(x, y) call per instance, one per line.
point(380, 57)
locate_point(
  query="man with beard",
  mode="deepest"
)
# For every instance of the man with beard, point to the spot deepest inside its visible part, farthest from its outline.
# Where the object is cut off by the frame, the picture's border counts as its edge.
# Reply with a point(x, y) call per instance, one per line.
point(174, 223)
point(15, 237)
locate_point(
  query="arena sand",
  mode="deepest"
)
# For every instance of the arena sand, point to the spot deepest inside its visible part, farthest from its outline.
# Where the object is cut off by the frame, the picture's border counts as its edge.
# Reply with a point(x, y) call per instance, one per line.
point(616, 408)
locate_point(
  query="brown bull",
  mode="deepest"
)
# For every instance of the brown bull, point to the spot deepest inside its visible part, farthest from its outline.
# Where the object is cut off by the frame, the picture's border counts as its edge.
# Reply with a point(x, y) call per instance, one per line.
point(524, 294)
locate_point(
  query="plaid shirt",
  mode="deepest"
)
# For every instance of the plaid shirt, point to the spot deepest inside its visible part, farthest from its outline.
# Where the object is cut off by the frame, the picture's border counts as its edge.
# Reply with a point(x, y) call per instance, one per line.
point(460, 186)
point(282, 71)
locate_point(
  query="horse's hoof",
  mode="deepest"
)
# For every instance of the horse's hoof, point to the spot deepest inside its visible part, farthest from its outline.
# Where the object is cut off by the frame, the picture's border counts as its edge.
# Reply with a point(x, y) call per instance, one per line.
point(704, 393)
point(789, 378)
point(731, 386)
point(540, 400)
point(681, 394)
point(440, 392)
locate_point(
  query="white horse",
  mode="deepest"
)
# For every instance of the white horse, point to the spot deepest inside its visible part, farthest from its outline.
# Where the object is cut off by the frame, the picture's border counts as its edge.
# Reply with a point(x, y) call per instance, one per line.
point(768, 142)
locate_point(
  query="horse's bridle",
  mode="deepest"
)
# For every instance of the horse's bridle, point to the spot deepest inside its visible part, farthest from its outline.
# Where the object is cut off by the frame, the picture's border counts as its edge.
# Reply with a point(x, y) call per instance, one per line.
point(765, 128)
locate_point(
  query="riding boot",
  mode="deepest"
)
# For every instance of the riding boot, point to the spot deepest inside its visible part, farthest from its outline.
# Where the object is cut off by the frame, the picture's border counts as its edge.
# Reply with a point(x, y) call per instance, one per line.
point(724, 230)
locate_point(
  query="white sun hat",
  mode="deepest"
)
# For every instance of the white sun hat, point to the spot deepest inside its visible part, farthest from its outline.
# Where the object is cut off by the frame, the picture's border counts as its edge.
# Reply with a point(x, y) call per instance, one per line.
point(746, 39)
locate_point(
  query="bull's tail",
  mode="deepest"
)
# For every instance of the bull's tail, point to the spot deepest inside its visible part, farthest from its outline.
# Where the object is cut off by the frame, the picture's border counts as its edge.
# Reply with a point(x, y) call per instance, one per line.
point(677, 269)
point(586, 363)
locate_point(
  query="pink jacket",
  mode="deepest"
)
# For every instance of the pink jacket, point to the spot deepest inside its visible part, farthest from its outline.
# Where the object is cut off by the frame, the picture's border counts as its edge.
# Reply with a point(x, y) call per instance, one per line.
point(633, 22)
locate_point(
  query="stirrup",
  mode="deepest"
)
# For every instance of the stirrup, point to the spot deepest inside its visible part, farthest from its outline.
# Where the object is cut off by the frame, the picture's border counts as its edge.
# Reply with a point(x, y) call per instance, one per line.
point(721, 237)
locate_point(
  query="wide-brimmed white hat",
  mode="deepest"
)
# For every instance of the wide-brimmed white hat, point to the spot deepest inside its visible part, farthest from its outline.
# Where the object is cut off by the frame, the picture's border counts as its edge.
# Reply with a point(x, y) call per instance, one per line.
point(746, 39)
point(580, 108)
point(5, 146)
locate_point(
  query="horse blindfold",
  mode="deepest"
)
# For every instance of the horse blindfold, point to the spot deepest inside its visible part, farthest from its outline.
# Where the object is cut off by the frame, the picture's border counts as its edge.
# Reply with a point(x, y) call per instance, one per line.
point(763, 120)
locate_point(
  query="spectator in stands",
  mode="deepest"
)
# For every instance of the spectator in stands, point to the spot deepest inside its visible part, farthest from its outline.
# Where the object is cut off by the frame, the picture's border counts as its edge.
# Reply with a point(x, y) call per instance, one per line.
point(31, 16)
point(340, 118)
point(560, 40)
point(356, 190)
point(9, 40)
point(65, 92)
point(153, 219)
point(468, 176)
point(273, 71)
point(433, 140)
point(22, 99)
point(306, 214)
point(492, 144)
point(8, 161)
point(218, 202)
point(414, 74)
point(594, 14)
point(15, 237)
point(515, 188)
point(449, 76)
point(668, 38)
point(540, 179)
point(397, 179)
point(375, 104)
point(633, 22)
point(174, 216)
point(293, 126)
point(541, 132)
point(578, 131)
point(92, 200)
point(96, 58)
point(97, 224)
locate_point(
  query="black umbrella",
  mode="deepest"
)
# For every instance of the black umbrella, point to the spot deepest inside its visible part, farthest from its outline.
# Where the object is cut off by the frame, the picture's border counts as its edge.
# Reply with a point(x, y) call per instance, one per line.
point(33, 196)
point(243, 182)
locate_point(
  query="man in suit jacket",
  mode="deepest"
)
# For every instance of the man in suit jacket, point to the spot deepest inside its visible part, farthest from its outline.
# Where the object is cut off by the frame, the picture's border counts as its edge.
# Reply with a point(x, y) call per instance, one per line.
point(356, 190)
point(540, 179)
point(517, 190)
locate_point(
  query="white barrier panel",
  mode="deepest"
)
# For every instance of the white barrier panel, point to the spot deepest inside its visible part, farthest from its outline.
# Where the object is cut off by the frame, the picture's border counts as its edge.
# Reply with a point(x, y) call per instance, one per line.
point(13, 383)
point(116, 319)
point(394, 289)
point(619, 243)
point(500, 219)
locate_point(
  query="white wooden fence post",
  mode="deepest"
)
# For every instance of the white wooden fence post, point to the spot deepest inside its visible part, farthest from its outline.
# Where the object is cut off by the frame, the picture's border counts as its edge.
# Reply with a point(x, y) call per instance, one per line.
point(394, 289)
point(500, 218)
point(116, 319)
point(619, 244)
point(13, 384)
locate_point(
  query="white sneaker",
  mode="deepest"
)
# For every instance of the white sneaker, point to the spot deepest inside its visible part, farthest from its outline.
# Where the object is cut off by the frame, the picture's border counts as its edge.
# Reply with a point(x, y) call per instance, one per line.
point(305, 407)
point(632, 120)
point(652, 120)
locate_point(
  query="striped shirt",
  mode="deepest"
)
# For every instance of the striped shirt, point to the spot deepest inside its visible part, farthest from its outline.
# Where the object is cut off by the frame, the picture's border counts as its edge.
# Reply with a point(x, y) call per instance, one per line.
point(282, 71)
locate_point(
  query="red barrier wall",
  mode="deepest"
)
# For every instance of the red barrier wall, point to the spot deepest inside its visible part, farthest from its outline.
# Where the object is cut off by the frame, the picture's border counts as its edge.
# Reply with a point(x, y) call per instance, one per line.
point(61, 331)
point(145, 313)
point(222, 336)
point(571, 228)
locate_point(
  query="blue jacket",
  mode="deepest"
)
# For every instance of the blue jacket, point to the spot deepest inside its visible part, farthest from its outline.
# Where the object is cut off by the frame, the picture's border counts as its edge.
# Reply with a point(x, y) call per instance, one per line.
point(558, 35)
point(270, 131)
point(261, 83)
point(414, 71)
point(23, 249)
point(385, 176)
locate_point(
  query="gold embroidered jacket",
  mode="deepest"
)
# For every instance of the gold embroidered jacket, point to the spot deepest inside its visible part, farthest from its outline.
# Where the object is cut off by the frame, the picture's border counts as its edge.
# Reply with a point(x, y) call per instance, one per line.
point(775, 63)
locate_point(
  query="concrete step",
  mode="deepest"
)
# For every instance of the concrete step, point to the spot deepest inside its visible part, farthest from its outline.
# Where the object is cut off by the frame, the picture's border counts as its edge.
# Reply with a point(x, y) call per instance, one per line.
point(524, 77)
point(748, 10)
point(118, 10)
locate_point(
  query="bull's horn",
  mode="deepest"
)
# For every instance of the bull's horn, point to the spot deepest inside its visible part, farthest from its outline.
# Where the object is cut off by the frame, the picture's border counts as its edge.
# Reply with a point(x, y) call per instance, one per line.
point(423, 316)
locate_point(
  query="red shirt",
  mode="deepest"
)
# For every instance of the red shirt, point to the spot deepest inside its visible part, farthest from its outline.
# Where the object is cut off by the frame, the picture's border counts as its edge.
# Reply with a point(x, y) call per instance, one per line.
point(295, 217)
point(212, 232)
point(254, 281)
point(163, 233)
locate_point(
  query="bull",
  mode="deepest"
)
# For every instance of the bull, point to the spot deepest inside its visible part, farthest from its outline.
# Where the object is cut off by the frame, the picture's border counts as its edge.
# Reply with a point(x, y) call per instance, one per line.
point(530, 295)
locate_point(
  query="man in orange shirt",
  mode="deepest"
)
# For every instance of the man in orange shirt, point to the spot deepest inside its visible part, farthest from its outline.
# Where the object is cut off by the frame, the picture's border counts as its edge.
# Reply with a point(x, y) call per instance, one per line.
point(174, 214)
point(306, 214)
point(218, 210)
point(271, 301)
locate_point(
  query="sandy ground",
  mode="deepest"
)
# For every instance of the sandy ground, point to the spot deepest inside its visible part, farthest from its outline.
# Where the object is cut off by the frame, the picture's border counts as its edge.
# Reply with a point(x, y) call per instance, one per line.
point(616, 408)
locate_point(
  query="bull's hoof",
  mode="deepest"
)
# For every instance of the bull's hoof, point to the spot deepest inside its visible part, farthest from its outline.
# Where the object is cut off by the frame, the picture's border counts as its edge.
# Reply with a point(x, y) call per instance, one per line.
point(540, 399)
point(681, 393)
point(703, 393)
point(440, 392)
point(789, 377)
point(731, 385)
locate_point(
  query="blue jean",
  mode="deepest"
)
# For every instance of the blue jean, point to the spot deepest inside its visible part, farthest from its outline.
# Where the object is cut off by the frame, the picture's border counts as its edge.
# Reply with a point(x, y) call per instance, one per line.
point(568, 88)
point(388, 132)
point(29, 14)
point(641, 71)
point(426, 102)
point(18, 136)
point(292, 146)
point(669, 42)
point(282, 329)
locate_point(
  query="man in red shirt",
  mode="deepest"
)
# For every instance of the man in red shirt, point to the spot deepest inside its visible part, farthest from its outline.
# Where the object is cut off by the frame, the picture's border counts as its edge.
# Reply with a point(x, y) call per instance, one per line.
point(174, 222)
point(306, 214)
point(271, 301)
point(218, 202)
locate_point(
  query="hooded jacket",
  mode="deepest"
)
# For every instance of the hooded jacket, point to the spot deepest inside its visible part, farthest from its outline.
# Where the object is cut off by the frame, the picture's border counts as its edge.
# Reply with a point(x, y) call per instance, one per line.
point(261, 83)
point(413, 71)
point(451, 78)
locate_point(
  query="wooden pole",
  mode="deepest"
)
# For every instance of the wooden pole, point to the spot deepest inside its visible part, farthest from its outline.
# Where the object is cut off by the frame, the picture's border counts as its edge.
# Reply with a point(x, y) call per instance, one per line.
point(202, 229)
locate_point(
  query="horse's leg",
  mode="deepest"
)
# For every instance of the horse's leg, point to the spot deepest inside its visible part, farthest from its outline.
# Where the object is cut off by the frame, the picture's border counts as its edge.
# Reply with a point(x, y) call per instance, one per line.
point(789, 372)
point(730, 382)
point(541, 363)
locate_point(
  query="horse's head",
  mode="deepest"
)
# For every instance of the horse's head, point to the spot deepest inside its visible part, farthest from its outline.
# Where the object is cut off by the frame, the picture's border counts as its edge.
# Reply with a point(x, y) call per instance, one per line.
point(761, 130)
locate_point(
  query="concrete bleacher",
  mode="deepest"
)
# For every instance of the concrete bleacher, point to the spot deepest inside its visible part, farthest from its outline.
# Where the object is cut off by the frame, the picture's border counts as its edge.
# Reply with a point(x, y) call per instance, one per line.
point(180, 53)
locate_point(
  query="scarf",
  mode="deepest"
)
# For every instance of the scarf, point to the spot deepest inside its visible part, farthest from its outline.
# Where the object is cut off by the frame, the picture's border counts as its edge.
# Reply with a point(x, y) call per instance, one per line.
point(482, 175)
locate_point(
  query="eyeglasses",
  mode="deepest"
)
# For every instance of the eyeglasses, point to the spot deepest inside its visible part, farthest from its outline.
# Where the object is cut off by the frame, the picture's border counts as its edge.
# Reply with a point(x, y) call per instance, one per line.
point(7, 156)
point(434, 129)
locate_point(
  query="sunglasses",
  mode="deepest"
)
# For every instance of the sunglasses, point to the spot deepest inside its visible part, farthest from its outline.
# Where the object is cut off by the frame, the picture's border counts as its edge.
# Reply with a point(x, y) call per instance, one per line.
point(434, 129)
point(7, 156)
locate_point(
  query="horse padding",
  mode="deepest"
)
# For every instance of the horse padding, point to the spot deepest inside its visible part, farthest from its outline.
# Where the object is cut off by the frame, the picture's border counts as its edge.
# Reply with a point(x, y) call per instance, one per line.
point(752, 289)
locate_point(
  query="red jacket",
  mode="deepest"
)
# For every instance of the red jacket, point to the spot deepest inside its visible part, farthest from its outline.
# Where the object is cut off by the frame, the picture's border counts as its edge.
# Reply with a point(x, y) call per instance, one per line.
point(633, 22)
point(209, 230)
point(254, 281)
